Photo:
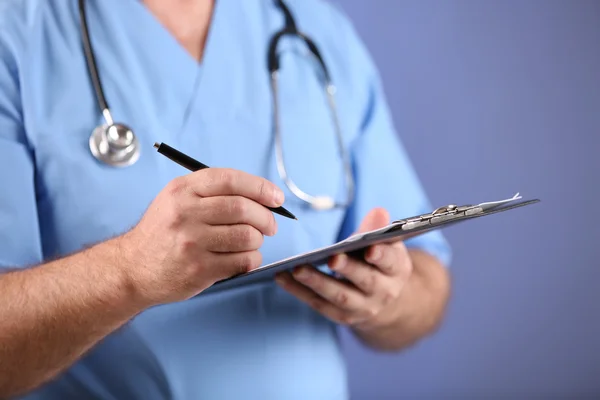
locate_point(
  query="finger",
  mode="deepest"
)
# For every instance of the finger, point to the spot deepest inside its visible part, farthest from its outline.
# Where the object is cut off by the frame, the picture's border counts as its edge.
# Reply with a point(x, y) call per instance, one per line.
point(379, 287)
point(365, 277)
point(385, 257)
point(336, 292)
point(313, 300)
point(231, 210)
point(226, 265)
point(227, 182)
point(233, 238)
point(376, 218)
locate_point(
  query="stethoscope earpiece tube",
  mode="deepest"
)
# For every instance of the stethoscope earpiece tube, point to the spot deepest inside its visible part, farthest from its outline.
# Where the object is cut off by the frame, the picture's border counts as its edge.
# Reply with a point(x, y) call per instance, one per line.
point(320, 203)
point(91, 59)
point(290, 23)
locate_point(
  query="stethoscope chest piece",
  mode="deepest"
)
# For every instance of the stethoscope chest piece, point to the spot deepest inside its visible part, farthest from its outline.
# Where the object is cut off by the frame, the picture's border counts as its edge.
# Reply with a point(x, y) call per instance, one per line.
point(115, 145)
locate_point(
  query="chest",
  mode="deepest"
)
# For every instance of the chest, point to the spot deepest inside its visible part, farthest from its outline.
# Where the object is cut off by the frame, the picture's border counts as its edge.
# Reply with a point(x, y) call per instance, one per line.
point(221, 112)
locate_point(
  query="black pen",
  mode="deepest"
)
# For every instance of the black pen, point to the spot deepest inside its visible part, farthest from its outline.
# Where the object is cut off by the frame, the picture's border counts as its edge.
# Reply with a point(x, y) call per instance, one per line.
point(193, 165)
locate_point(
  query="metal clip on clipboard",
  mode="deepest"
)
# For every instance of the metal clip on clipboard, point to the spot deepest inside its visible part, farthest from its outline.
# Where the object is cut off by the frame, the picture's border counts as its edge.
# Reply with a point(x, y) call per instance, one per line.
point(438, 216)
point(451, 211)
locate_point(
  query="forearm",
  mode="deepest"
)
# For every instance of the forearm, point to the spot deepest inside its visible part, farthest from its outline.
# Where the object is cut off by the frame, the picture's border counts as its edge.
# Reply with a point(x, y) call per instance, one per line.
point(418, 310)
point(50, 315)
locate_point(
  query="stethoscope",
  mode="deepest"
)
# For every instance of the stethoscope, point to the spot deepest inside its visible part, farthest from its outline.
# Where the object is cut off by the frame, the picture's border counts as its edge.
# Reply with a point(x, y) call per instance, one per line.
point(115, 144)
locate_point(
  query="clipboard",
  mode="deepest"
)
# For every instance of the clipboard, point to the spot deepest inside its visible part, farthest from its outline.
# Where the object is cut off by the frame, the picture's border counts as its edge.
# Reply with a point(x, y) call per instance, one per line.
point(354, 245)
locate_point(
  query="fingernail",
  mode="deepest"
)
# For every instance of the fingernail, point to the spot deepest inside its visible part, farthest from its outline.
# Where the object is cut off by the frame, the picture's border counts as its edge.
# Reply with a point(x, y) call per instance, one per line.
point(301, 274)
point(278, 196)
point(273, 227)
point(340, 263)
point(280, 279)
point(376, 254)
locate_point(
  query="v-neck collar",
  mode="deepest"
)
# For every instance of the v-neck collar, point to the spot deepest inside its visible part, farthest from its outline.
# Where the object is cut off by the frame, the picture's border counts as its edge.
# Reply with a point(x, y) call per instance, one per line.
point(176, 44)
point(167, 78)
point(200, 68)
point(159, 51)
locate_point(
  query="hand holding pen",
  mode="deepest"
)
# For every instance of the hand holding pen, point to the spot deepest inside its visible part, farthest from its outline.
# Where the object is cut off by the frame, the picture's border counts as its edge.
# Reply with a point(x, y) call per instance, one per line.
point(200, 229)
point(193, 165)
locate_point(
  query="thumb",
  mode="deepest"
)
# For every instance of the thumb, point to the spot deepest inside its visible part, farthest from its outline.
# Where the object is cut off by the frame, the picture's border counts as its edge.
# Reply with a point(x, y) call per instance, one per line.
point(375, 219)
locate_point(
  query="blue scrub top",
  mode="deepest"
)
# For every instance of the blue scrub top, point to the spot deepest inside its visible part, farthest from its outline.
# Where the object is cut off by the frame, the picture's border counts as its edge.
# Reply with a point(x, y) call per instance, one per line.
point(257, 342)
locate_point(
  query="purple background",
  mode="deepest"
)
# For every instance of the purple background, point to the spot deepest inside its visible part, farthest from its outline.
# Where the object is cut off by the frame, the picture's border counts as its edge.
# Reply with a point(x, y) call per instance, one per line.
point(493, 98)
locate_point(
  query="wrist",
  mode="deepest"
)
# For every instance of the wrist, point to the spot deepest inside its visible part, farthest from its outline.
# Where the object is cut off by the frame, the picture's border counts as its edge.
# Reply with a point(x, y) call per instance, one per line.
point(119, 269)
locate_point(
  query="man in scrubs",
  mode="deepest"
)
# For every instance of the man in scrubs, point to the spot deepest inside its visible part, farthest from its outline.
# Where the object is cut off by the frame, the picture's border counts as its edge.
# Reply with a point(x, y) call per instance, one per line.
point(101, 265)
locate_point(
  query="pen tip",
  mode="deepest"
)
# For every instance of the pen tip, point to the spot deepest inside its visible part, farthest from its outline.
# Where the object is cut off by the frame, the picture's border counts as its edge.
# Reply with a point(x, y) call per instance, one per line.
point(156, 145)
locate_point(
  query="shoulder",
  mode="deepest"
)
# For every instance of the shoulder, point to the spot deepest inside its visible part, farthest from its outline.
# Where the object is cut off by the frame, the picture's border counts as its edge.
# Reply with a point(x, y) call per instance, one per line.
point(25, 21)
point(13, 24)
point(354, 71)
point(331, 26)
point(324, 9)
point(334, 33)
point(318, 11)
point(19, 19)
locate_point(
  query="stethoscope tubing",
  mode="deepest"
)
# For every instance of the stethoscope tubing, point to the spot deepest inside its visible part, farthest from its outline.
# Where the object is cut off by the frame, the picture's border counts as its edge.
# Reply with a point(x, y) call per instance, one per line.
point(116, 144)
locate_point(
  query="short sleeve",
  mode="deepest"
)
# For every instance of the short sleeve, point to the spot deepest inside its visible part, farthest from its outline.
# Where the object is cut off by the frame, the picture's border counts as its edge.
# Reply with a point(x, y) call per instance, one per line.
point(383, 171)
point(20, 243)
